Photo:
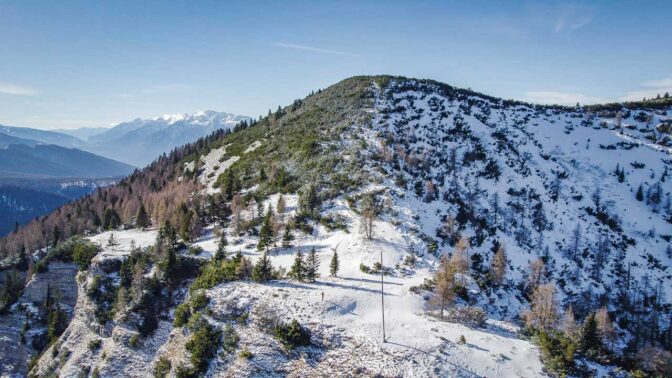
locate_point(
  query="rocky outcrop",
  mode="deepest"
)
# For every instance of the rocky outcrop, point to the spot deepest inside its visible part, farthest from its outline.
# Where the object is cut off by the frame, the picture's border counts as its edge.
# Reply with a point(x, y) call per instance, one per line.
point(59, 278)
point(22, 329)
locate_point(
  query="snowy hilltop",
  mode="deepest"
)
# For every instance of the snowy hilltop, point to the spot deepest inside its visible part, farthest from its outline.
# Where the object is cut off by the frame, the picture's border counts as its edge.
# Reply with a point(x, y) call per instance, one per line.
point(495, 238)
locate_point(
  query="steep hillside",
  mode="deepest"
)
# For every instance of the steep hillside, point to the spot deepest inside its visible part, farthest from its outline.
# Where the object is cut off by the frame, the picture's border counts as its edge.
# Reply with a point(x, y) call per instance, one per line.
point(24, 199)
point(508, 235)
point(19, 205)
point(140, 141)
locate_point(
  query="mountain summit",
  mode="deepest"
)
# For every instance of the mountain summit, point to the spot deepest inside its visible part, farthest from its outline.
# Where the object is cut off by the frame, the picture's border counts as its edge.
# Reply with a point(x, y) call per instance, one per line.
point(510, 239)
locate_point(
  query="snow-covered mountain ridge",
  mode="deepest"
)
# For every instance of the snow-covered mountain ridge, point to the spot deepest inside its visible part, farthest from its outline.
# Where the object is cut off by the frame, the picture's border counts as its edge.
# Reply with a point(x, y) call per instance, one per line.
point(401, 168)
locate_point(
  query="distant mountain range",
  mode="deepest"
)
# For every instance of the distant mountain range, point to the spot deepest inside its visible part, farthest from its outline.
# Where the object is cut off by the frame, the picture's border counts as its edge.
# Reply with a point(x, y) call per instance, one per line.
point(43, 136)
point(140, 141)
point(83, 133)
point(137, 142)
point(32, 153)
point(41, 170)
point(48, 160)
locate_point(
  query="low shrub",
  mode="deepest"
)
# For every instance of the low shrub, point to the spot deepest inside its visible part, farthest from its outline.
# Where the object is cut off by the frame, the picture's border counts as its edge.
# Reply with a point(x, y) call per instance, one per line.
point(292, 335)
point(162, 368)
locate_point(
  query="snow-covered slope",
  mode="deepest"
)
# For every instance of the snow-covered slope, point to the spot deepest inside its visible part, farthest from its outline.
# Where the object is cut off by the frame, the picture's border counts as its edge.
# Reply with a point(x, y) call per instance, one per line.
point(585, 190)
point(559, 162)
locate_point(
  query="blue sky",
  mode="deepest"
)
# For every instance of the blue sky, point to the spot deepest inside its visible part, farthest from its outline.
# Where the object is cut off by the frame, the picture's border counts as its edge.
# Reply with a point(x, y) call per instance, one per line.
point(68, 64)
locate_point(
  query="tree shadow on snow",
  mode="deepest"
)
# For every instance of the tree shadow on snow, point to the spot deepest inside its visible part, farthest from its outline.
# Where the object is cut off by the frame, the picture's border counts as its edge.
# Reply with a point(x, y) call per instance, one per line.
point(279, 251)
point(369, 281)
point(350, 287)
point(292, 285)
point(378, 242)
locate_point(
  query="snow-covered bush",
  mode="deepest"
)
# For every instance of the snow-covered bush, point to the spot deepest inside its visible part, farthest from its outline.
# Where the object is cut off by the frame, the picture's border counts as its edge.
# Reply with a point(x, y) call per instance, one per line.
point(292, 335)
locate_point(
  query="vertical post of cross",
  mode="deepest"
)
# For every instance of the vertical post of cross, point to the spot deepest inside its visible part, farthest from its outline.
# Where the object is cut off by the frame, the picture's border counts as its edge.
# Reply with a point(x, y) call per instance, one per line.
point(382, 293)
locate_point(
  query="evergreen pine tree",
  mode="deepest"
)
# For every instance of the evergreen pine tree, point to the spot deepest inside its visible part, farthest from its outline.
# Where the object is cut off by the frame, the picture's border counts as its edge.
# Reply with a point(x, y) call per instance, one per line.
point(287, 237)
point(260, 209)
point(112, 241)
point(312, 266)
point(56, 322)
point(334, 265)
point(591, 341)
point(11, 290)
point(263, 270)
point(170, 266)
point(640, 193)
point(262, 175)
point(221, 247)
point(266, 231)
point(298, 269)
point(55, 237)
point(308, 201)
point(48, 299)
point(142, 218)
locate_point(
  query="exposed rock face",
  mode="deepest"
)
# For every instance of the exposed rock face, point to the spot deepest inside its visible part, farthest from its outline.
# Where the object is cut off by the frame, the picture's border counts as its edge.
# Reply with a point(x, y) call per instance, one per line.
point(60, 279)
point(23, 327)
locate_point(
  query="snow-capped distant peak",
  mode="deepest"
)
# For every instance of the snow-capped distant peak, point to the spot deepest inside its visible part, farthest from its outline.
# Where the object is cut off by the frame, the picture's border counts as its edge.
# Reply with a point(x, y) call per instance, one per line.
point(139, 141)
point(172, 118)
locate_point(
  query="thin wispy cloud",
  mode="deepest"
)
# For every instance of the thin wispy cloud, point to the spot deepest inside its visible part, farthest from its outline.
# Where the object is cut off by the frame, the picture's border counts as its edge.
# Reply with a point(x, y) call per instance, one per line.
point(313, 49)
point(562, 98)
point(565, 18)
point(17, 90)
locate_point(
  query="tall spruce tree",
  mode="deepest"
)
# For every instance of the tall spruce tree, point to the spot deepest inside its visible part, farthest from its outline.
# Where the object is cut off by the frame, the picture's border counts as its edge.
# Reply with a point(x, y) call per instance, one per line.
point(142, 218)
point(312, 266)
point(263, 270)
point(640, 193)
point(266, 231)
point(308, 201)
point(287, 237)
point(334, 265)
point(221, 247)
point(591, 340)
point(298, 270)
point(55, 237)
point(57, 321)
